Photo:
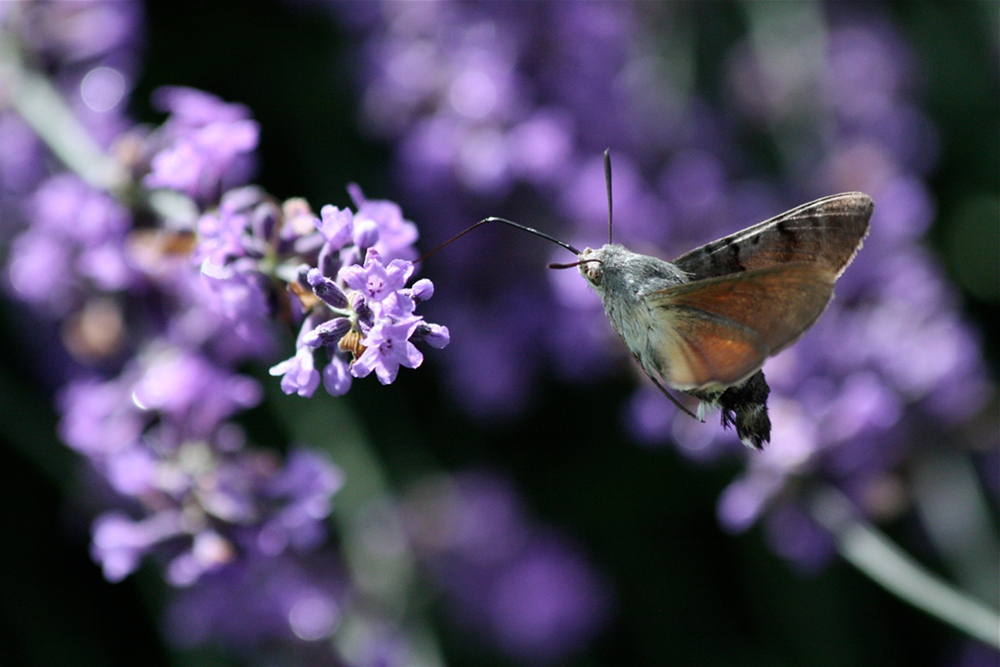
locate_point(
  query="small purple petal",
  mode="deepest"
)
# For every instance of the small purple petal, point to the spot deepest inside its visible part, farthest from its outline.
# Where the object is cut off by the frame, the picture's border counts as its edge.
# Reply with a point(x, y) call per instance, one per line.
point(264, 221)
point(435, 335)
point(387, 348)
point(132, 471)
point(299, 375)
point(422, 290)
point(209, 551)
point(359, 304)
point(396, 235)
point(337, 226)
point(179, 167)
point(119, 543)
point(191, 106)
point(337, 377)
point(365, 234)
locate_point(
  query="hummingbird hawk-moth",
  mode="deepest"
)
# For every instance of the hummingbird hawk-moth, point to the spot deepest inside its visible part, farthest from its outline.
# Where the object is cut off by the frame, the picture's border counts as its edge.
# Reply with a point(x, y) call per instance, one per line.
point(705, 322)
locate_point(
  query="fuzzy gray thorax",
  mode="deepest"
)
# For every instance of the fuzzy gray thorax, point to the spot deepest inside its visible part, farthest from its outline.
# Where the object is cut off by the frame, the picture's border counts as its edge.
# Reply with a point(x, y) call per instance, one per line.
point(624, 279)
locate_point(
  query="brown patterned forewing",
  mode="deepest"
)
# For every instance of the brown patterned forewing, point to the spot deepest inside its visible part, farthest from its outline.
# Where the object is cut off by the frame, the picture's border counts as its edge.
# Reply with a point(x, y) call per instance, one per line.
point(827, 232)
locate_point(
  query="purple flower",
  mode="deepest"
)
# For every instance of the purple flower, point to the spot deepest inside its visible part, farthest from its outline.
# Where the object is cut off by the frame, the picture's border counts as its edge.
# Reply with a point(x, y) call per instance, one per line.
point(364, 318)
point(195, 109)
point(396, 235)
point(206, 501)
point(301, 491)
point(126, 425)
point(548, 603)
point(193, 291)
point(91, 55)
point(387, 347)
point(98, 418)
point(204, 144)
point(337, 226)
point(247, 245)
point(229, 312)
point(258, 600)
point(221, 235)
point(515, 582)
point(77, 240)
point(119, 543)
point(376, 281)
point(298, 373)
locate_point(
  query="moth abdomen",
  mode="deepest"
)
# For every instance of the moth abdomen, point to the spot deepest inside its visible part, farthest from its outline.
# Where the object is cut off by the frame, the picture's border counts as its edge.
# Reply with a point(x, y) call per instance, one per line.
point(744, 406)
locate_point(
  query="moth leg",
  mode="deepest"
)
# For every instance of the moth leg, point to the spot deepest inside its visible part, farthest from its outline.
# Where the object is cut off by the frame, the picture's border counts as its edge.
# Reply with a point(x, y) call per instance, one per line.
point(675, 401)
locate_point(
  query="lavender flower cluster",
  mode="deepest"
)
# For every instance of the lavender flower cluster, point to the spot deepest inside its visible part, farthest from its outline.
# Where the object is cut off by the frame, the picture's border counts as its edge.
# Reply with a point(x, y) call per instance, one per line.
point(508, 108)
point(162, 272)
point(362, 314)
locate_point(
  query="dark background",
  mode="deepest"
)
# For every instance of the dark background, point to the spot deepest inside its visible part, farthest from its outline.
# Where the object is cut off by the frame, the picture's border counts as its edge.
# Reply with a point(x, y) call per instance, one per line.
point(686, 592)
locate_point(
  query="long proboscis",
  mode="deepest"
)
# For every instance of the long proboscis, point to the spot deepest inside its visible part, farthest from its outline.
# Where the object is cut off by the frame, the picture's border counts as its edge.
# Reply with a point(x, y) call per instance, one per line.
point(530, 230)
point(555, 265)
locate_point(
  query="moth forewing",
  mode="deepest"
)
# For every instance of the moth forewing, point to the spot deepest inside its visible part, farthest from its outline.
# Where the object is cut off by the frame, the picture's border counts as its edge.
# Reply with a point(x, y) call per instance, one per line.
point(827, 231)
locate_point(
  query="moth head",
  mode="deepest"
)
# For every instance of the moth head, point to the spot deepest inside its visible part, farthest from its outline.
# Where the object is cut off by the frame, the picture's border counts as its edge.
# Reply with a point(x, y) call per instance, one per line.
point(591, 266)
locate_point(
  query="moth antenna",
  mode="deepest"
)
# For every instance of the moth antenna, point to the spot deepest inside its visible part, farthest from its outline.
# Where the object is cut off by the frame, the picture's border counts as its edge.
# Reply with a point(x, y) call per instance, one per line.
point(506, 222)
point(607, 182)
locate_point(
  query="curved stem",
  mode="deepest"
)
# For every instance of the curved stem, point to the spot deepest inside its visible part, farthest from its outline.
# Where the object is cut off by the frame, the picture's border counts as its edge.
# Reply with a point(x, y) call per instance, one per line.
point(869, 550)
point(46, 112)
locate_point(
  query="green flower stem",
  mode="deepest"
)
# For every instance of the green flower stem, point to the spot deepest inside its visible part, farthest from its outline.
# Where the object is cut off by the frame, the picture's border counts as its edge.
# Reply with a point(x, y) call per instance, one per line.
point(869, 550)
point(46, 112)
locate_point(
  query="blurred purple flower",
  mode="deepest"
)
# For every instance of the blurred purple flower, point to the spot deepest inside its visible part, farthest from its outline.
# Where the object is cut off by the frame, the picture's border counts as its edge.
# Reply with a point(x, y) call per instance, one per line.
point(256, 601)
point(204, 146)
point(517, 583)
point(159, 434)
point(298, 373)
point(74, 245)
point(395, 235)
point(90, 50)
point(337, 226)
point(119, 543)
point(158, 314)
